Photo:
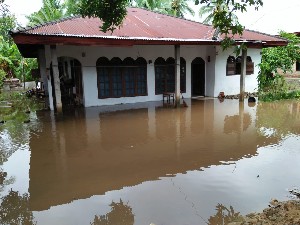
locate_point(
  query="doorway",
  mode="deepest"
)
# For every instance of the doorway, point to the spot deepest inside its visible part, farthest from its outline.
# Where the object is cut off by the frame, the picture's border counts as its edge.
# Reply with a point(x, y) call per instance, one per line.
point(198, 77)
point(71, 87)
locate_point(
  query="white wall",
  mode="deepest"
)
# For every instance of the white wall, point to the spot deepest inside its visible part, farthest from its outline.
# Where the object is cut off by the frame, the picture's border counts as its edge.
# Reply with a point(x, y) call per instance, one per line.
point(230, 85)
point(216, 79)
point(92, 54)
point(210, 72)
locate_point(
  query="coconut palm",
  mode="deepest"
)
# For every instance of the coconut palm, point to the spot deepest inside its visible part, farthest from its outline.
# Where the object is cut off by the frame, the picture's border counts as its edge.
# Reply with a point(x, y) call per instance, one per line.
point(51, 10)
point(171, 7)
point(208, 11)
point(162, 6)
point(180, 7)
point(71, 7)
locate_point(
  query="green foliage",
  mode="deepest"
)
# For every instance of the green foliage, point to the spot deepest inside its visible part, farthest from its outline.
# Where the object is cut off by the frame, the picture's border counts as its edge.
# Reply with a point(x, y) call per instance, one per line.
point(29, 64)
point(19, 103)
point(12, 62)
point(51, 10)
point(71, 7)
point(110, 12)
point(161, 6)
point(179, 8)
point(7, 23)
point(2, 77)
point(225, 20)
point(9, 57)
point(271, 84)
point(170, 7)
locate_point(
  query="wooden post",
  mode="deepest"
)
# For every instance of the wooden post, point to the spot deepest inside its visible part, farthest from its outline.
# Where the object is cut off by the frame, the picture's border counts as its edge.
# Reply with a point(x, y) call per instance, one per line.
point(243, 74)
point(56, 79)
point(177, 75)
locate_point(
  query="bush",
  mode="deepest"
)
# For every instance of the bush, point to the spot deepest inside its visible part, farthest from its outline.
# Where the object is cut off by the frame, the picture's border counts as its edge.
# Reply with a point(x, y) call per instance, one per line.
point(273, 96)
point(2, 77)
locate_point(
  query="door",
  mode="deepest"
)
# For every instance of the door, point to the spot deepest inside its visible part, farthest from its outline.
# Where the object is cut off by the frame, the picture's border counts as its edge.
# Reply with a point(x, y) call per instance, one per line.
point(198, 77)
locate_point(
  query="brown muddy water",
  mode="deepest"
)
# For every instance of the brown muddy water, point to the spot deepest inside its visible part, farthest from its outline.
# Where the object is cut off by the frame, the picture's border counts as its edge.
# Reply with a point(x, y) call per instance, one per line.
point(145, 163)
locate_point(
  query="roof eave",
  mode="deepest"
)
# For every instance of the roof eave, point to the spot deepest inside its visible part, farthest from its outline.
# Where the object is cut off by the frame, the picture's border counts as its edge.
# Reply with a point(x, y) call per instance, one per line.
point(25, 39)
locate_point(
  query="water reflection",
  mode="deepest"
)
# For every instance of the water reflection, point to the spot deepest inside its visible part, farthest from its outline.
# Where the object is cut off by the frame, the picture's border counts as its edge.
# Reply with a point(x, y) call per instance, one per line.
point(97, 151)
point(173, 165)
point(224, 215)
point(14, 209)
point(120, 214)
point(275, 120)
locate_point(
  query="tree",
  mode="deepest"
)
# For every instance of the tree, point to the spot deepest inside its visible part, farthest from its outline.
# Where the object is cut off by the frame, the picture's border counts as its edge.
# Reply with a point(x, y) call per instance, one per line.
point(71, 7)
point(171, 7)
point(51, 10)
point(282, 58)
point(112, 14)
point(180, 7)
point(7, 22)
point(9, 57)
point(208, 11)
point(161, 6)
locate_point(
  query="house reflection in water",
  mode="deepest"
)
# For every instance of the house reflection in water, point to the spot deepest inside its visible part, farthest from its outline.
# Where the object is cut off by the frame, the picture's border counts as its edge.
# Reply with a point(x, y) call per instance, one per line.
point(97, 150)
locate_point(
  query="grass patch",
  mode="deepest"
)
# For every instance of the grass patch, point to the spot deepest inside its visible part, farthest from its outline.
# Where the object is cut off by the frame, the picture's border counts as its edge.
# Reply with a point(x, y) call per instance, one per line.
point(16, 106)
point(281, 89)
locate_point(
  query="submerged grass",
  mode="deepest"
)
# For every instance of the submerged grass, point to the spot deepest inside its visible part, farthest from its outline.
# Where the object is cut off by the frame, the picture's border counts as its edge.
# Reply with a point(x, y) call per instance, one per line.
point(281, 89)
point(15, 105)
point(279, 95)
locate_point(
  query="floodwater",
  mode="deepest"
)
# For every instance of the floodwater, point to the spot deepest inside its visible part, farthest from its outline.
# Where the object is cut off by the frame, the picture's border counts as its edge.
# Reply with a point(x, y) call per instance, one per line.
point(145, 163)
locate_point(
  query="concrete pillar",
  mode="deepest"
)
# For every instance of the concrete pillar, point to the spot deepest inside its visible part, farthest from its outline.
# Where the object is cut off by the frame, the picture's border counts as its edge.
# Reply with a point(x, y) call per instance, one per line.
point(49, 85)
point(56, 79)
point(177, 75)
point(243, 74)
point(42, 66)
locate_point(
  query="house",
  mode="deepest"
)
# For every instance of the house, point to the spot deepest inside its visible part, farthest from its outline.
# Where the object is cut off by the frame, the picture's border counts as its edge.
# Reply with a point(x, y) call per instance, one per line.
point(138, 62)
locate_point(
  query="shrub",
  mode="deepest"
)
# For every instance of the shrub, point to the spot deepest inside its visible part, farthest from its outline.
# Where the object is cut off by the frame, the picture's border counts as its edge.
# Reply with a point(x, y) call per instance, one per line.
point(2, 77)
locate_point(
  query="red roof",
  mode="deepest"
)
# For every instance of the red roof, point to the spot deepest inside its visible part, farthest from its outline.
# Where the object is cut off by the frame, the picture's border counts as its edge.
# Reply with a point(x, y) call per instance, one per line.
point(139, 27)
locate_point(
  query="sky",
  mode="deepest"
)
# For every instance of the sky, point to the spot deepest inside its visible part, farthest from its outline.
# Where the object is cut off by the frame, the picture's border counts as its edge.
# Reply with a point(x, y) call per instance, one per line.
point(274, 16)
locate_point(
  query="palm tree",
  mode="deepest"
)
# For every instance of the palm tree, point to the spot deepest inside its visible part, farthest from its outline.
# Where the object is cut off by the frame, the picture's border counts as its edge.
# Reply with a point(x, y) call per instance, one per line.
point(51, 10)
point(180, 7)
point(210, 9)
point(71, 7)
point(171, 7)
point(161, 6)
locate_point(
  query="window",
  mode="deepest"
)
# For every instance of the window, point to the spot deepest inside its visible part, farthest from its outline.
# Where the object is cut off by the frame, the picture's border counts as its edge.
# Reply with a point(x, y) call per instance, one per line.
point(234, 66)
point(117, 78)
point(165, 75)
point(230, 68)
point(249, 66)
point(298, 66)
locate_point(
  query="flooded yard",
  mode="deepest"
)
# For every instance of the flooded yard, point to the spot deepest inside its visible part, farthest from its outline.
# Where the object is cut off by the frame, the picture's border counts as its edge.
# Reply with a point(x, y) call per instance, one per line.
point(145, 163)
